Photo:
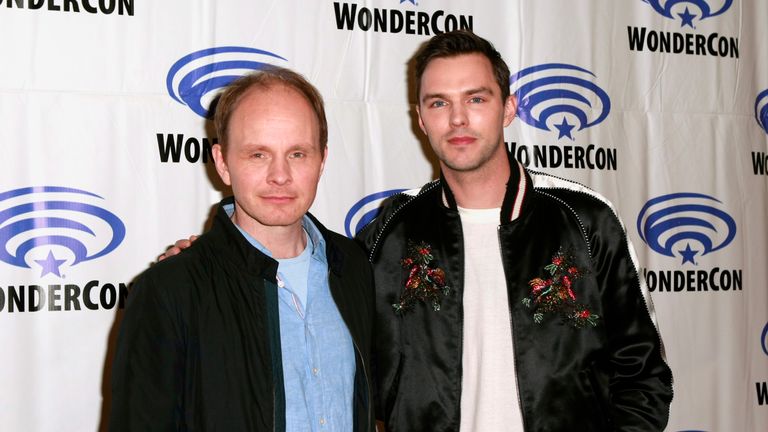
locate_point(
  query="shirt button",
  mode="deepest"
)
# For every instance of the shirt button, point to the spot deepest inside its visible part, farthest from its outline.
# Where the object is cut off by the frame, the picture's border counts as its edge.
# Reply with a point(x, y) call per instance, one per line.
point(314, 371)
point(322, 421)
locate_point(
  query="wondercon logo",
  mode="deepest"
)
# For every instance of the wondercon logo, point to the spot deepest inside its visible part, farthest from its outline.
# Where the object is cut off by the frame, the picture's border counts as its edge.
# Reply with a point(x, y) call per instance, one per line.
point(192, 80)
point(559, 96)
point(761, 110)
point(49, 226)
point(764, 339)
point(681, 9)
point(365, 210)
point(685, 224)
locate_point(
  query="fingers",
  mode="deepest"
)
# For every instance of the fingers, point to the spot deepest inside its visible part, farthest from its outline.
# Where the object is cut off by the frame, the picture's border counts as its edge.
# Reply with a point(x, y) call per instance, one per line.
point(177, 247)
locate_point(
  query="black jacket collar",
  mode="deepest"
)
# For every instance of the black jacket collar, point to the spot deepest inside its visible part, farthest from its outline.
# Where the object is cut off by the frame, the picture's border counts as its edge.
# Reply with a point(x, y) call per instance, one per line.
point(519, 188)
point(233, 244)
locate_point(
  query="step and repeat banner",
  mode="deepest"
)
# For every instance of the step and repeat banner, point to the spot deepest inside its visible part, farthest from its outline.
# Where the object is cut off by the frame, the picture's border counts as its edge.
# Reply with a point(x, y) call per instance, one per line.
point(660, 105)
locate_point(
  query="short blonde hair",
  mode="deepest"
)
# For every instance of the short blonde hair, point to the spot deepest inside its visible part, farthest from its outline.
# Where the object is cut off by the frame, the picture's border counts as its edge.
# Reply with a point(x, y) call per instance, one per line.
point(266, 79)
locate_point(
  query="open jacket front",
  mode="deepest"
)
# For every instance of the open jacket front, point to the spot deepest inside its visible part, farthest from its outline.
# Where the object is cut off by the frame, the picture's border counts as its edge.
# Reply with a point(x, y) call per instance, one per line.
point(609, 377)
point(199, 347)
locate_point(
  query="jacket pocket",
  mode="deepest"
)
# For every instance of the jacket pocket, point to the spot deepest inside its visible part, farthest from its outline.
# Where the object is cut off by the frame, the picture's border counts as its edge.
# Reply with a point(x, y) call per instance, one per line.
point(390, 403)
point(598, 393)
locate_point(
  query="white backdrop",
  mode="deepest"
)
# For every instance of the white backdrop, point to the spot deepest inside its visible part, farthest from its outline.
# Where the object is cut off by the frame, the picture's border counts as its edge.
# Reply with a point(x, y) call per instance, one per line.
point(660, 105)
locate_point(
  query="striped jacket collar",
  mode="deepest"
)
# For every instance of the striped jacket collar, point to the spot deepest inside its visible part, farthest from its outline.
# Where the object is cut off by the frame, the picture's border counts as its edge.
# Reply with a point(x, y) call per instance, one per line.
point(519, 188)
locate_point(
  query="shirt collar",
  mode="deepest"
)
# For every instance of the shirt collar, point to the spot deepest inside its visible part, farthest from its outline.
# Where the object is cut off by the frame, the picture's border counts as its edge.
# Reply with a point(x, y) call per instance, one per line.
point(316, 240)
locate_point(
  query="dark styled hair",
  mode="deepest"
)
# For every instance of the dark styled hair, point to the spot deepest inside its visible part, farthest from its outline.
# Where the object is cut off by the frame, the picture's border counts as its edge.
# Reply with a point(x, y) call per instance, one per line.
point(266, 79)
point(456, 43)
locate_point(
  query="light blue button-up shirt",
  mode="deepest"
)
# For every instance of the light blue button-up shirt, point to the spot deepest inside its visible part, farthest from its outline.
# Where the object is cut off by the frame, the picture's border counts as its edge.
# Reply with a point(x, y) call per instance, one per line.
point(318, 353)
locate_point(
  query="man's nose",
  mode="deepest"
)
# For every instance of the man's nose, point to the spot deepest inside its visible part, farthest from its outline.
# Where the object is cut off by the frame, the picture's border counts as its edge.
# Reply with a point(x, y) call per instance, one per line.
point(279, 171)
point(458, 116)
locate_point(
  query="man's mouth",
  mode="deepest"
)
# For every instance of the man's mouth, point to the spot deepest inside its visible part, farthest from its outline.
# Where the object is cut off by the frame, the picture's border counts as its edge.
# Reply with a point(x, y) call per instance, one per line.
point(277, 198)
point(462, 140)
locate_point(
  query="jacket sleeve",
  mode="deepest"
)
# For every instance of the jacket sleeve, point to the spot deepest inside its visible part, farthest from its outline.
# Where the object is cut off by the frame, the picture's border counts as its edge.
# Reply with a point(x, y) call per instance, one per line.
point(385, 347)
point(639, 380)
point(147, 374)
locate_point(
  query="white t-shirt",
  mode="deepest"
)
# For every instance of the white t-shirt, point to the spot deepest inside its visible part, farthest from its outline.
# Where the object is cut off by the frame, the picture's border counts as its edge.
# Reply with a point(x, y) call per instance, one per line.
point(489, 399)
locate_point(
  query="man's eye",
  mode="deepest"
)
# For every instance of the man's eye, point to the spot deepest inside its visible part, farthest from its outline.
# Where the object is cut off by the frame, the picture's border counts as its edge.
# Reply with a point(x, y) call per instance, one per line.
point(476, 99)
point(297, 155)
point(438, 104)
point(257, 155)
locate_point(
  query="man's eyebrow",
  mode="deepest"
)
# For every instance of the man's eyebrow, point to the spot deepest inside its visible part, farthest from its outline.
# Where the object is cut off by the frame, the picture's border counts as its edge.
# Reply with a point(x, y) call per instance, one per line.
point(483, 89)
point(432, 96)
point(294, 145)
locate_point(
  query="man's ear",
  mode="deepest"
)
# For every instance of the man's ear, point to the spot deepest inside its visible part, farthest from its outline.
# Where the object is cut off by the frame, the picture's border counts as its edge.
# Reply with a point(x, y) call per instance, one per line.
point(221, 164)
point(510, 109)
point(325, 158)
point(421, 123)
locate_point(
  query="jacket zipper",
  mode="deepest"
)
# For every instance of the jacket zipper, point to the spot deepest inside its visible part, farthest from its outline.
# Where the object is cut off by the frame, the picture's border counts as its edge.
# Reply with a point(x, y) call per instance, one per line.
point(360, 353)
point(461, 350)
point(367, 387)
point(274, 409)
point(512, 335)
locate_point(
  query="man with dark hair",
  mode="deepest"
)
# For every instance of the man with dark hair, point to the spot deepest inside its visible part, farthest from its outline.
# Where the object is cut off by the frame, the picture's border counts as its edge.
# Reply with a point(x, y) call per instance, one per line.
point(265, 323)
point(506, 300)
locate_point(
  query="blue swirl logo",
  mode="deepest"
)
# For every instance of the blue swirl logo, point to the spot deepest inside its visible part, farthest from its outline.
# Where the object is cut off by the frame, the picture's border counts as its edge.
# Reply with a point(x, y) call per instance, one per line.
point(689, 220)
point(365, 210)
point(192, 80)
point(764, 339)
point(557, 92)
point(761, 110)
point(681, 9)
point(61, 221)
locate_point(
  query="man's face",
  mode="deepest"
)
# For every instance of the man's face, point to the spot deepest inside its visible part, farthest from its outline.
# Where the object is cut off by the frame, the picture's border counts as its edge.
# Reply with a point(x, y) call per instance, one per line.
point(461, 111)
point(273, 159)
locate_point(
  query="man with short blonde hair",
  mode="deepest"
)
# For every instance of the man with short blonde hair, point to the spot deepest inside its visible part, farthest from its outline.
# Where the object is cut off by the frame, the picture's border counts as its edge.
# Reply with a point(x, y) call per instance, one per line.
point(265, 322)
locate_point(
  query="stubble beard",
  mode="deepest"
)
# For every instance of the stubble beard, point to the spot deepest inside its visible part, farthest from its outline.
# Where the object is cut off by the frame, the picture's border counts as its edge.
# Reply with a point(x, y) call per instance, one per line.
point(475, 163)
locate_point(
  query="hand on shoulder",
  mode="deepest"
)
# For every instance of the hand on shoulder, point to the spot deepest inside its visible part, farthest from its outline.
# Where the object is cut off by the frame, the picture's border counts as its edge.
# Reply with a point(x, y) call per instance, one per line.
point(177, 247)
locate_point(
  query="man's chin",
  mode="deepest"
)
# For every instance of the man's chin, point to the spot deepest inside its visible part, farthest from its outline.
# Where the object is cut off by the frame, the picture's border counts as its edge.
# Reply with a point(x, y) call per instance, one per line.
point(274, 217)
point(277, 221)
point(461, 166)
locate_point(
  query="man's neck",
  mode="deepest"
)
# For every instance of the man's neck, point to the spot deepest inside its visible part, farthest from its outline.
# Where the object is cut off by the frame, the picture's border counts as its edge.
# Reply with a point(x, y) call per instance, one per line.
point(483, 188)
point(281, 241)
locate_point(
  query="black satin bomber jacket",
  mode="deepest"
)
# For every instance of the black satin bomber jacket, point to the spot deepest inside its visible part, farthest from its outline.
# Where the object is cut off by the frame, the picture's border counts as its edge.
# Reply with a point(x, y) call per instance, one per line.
point(612, 377)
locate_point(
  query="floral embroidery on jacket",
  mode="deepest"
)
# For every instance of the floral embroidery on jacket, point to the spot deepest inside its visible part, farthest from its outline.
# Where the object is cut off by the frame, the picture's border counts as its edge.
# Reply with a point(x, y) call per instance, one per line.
point(426, 281)
point(554, 294)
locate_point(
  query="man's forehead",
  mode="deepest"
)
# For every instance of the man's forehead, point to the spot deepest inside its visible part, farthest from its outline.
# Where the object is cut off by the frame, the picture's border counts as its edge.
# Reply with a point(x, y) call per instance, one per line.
point(264, 100)
point(465, 73)
point(270, 108)
point(270, 90)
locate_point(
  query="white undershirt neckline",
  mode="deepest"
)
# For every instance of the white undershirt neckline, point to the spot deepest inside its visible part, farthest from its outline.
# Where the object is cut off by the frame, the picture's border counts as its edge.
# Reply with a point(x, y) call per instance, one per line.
point(489, 398)
point(479, 215)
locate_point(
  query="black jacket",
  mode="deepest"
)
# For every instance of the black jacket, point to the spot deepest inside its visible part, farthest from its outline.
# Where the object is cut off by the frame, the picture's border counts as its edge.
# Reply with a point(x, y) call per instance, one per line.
point(604, 378)
point(199, 347)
